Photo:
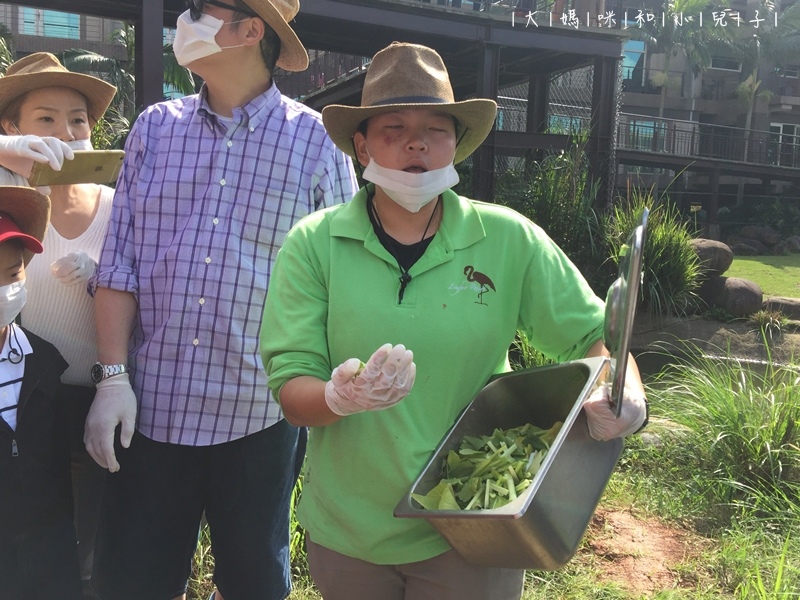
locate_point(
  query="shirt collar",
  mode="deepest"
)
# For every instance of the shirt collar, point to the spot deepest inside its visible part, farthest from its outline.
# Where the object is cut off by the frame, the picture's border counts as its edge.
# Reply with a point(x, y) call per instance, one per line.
point(461, 226)
point(251, 114)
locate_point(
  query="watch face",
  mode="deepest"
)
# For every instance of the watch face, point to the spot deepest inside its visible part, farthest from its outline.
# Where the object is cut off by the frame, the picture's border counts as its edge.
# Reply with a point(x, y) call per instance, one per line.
point(97, 373)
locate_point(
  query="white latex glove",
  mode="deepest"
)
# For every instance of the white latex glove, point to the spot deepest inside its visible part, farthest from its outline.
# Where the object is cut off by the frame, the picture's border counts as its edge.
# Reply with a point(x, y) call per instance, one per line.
point(19, 152)
point(114, 404)
point(383, 382)
point(602, 420)
point(74, 268)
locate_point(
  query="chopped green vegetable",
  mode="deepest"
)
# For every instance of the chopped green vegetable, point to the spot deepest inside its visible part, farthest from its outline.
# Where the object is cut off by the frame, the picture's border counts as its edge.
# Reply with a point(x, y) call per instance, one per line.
point(490, 471)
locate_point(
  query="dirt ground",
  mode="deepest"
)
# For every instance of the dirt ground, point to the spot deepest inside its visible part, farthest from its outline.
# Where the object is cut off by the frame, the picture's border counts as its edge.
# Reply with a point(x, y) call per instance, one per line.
point(642, 556)
point(645, 556)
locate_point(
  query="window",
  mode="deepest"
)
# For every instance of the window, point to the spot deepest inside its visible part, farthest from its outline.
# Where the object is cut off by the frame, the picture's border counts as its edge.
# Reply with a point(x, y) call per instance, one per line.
point(633, 65)
point(725, 64)
point(168, 35)
point(791, 72)
point(49, 23)
point(784, 144)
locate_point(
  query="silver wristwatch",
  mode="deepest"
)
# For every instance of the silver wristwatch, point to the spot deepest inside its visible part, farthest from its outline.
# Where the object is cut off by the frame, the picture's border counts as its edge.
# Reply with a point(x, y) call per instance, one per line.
point(101, 371)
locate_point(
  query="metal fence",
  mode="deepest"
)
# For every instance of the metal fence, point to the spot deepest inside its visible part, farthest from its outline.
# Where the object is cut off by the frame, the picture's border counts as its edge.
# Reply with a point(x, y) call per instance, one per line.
point(687, 138)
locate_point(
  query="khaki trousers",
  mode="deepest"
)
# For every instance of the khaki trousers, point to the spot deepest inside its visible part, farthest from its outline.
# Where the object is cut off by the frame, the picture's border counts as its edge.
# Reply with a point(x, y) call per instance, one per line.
point(444, 577)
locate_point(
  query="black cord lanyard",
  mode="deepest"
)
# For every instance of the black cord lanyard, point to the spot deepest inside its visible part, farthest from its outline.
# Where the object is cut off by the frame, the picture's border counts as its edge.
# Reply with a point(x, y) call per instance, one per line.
point(389, 243)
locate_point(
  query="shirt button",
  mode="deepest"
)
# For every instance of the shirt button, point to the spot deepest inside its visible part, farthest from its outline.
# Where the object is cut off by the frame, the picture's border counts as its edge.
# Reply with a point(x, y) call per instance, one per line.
point(230, 144)
point(202, 301)
point(215, 221)
point(195, 342)
point(208, 260)
point(252, 129)
point(222, 182)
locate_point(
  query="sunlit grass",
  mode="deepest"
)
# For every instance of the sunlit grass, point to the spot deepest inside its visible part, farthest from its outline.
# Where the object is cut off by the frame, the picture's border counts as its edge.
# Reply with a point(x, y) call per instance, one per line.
point(775, 275)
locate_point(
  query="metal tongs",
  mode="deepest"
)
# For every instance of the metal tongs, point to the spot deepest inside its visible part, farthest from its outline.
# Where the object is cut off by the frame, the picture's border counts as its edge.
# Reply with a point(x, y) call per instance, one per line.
point(621, 308)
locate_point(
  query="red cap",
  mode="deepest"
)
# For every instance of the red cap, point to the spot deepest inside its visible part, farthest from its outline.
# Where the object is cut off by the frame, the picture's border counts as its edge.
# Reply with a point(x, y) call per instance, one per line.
point(10, 231)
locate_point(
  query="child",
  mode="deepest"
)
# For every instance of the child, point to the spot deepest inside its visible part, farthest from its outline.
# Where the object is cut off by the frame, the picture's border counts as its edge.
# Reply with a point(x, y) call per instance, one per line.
point(38, 553)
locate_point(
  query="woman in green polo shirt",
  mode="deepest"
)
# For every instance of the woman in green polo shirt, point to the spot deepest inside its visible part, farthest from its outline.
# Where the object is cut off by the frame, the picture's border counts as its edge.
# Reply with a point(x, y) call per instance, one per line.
point(406, 266)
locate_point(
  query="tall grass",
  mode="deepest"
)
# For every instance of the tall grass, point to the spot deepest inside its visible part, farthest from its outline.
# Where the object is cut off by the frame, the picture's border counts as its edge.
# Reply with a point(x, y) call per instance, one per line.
point(558, 195)
point(671, 268)
point(743, 422)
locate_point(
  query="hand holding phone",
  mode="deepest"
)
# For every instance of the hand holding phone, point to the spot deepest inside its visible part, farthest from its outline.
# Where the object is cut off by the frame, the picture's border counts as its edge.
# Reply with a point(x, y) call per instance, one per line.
point(87, 166)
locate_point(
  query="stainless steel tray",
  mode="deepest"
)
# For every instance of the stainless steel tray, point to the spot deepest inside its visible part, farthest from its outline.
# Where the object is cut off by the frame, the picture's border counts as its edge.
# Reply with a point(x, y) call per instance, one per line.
point(543, 527)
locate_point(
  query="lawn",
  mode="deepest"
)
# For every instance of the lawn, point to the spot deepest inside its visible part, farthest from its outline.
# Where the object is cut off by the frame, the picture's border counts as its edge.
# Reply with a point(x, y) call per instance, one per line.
point(777, 275)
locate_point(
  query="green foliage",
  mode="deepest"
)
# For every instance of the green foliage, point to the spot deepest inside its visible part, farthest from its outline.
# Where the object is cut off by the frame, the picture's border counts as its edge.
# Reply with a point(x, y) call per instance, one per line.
point(671, 269)
point(111, 131)
point(558, 195)
point(7, 50)
point(524, 356)
point(742, 422)
point(782, 214)
point(769, 322)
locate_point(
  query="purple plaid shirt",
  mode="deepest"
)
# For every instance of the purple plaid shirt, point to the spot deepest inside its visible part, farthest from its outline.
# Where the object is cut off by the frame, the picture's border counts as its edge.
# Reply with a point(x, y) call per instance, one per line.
point(199, 214)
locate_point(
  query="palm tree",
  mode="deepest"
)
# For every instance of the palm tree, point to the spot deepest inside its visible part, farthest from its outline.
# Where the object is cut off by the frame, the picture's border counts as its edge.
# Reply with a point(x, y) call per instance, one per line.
point(7, 50)
point(679, 31)
point(121, 73)
point(776, 40)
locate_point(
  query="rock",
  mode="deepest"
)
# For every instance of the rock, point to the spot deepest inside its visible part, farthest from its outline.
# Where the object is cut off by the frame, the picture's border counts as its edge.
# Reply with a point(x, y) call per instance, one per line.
point(735, 240)
point(715, 257)
point(780, 249)
point(743, 250)
point(764, 234)
point(736, 296)
point(788, 307)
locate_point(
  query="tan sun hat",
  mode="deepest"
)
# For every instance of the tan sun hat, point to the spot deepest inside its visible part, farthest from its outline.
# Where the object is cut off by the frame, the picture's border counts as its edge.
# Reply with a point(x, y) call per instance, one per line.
point(24, 214)
point(42, 70)
point(410, 76)
point(277, 14)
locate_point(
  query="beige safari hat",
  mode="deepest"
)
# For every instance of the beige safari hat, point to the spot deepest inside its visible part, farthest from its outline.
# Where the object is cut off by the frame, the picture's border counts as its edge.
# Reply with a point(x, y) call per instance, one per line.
point(277, 14)
point(42, 70)
point(408, 76)
point(24, 214)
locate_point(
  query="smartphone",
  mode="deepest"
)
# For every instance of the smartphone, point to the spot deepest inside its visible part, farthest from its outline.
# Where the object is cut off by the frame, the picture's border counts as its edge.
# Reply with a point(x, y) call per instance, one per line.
point(88, 166)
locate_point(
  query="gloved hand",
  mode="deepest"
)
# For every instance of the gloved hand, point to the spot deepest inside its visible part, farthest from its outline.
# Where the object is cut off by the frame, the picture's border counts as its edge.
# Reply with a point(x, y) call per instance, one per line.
point(383, 382)
point(75, 267)
point(602, 420)
point(114, 404)
point(19, 152)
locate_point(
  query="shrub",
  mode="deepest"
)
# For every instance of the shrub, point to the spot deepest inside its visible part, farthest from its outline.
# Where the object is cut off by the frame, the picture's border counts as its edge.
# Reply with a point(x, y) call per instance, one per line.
point(671, 269)
point(742, 423)
point(557, 195)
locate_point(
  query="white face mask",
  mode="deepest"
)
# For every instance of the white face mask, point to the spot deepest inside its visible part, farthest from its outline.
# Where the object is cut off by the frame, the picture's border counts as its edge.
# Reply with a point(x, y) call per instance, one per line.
point(412, 191)
point(197, 39)
point(80, 144)
point(12, 299)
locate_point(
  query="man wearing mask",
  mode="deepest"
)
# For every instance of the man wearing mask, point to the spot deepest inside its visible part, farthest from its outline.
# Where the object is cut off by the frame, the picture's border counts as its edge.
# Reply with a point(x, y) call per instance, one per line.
point(210, 186)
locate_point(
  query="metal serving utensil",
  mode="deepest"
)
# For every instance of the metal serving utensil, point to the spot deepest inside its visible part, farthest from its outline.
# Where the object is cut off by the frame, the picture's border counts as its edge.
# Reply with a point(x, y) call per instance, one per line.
point(621, 309)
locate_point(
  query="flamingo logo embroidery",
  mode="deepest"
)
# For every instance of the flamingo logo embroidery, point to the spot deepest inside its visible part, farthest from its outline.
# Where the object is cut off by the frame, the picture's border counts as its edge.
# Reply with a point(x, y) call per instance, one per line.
point(482, 280)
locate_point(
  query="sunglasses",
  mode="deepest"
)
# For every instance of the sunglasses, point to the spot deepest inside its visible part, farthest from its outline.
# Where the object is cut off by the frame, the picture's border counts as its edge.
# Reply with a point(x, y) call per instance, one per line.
point(196, 8)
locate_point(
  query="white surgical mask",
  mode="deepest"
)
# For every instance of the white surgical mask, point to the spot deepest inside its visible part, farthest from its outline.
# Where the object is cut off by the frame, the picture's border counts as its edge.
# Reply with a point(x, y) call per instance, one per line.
point(197, 39)
point(80, 144)
point(412, 191)
point(12, 299)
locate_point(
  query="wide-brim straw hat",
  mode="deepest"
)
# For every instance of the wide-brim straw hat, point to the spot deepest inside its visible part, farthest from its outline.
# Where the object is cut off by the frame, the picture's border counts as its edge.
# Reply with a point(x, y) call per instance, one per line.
point(43, 70)
point(410, 76)
point(277, 14)
point(29, 209)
